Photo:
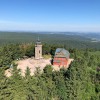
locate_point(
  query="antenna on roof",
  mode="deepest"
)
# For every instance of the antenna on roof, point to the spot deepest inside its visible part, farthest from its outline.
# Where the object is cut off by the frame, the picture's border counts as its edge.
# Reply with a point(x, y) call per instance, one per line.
point(63, 46)
point(38, 38)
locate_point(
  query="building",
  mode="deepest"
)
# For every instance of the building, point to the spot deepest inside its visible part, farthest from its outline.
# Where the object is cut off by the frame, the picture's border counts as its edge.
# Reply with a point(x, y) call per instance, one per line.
point(38, 49)
point(61, 57)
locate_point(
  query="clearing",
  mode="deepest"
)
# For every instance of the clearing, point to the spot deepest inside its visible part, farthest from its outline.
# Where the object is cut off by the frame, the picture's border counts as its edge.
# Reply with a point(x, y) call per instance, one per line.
point(32, 64)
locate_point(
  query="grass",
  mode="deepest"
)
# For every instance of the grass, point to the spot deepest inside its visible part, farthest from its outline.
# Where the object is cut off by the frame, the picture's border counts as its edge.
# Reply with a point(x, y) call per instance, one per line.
point(46, 56)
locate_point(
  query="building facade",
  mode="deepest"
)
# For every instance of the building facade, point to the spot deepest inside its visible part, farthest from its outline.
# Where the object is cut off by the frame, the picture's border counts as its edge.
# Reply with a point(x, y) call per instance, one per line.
point(61, 57)
point(38, 50)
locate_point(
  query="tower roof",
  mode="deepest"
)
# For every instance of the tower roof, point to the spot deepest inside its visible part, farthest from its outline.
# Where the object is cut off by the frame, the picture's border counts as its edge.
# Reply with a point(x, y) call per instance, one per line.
point(38, 42)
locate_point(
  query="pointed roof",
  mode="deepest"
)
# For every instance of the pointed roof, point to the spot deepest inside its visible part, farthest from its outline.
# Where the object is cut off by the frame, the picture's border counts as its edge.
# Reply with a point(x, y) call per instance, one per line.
point(38, 42)
point(64, 52)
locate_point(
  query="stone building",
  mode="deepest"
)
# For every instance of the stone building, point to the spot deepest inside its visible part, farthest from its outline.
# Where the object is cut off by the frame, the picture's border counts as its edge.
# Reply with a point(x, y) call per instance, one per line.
point(61, 57)
point(38, 49)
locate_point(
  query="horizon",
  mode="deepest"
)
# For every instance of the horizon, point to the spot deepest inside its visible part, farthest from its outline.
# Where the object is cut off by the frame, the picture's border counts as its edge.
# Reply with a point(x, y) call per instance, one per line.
point(50, 16)
point(50, 32)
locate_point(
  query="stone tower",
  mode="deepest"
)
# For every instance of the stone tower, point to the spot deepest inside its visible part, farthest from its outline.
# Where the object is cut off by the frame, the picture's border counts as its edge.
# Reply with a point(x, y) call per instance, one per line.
point(38, 49)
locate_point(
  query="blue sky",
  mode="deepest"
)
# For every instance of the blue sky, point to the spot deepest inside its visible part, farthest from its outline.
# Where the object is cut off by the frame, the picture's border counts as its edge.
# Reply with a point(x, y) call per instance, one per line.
point(50, 15)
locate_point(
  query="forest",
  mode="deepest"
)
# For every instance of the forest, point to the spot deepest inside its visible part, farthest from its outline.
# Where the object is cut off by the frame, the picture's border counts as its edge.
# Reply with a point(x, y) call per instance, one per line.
point(66, 40)
point(81, 81)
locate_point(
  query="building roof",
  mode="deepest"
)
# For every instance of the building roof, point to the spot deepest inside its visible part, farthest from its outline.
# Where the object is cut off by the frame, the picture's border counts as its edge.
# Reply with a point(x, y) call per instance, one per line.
point(38, 42)
point(64, 52)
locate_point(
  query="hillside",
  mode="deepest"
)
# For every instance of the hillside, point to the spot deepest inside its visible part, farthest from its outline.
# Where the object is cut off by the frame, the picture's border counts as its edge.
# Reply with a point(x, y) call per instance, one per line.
point(70, 41)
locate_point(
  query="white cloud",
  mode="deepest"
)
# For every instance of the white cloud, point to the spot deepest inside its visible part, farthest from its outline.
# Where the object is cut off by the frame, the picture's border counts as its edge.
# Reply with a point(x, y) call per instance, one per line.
point(17, 26)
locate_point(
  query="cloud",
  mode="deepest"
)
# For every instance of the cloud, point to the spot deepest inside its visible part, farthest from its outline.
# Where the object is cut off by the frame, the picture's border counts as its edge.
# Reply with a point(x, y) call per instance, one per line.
point(17, 26)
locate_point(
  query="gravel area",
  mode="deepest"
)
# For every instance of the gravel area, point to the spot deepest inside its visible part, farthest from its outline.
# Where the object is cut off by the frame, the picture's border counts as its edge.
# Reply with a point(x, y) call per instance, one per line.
point(32, 64)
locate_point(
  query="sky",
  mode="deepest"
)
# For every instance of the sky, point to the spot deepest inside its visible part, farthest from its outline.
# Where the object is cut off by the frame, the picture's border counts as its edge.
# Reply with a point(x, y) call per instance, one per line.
point(50, 15)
